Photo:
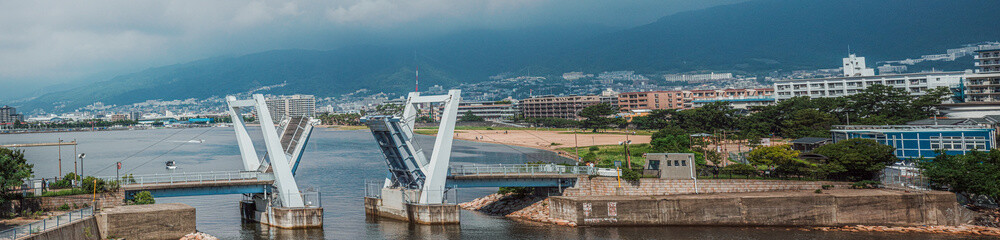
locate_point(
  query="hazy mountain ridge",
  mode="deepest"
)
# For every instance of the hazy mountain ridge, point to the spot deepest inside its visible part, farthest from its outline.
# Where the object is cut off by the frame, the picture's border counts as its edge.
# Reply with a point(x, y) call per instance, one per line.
point(752, 37)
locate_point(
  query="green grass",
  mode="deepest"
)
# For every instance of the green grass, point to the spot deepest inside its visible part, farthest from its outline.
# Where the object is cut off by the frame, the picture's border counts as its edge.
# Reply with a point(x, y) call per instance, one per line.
point(64, 192)
point(608, 154)
point(429, 131)
point(351, 128)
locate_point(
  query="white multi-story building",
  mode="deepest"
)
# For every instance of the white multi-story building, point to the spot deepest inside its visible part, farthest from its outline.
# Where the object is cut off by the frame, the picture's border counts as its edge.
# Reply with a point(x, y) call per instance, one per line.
point(914, 83)
point(292, 106)
point(854, 66)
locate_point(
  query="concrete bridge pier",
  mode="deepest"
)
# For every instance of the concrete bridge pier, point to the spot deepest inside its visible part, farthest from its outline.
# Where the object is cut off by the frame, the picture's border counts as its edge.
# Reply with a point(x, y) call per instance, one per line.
point(394, 203)
point(260, 208)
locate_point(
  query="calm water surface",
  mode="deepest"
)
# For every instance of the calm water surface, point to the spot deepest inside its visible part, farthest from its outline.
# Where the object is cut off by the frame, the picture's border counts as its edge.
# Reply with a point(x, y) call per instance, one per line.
point(337, 163)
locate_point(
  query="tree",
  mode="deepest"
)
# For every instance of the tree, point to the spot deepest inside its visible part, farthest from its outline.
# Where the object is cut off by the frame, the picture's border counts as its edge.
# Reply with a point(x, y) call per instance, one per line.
point(597, 116)
point(773, 156)
point(142, 198)
point(671, 144)
point(712, 116)
point(856, 159)
point(13, 170)
point(807, 123)
point(469, 117)
point(974, 173)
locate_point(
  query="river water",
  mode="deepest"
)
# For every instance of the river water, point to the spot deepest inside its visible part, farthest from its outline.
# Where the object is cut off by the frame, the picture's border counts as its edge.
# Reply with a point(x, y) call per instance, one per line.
point(337, 163)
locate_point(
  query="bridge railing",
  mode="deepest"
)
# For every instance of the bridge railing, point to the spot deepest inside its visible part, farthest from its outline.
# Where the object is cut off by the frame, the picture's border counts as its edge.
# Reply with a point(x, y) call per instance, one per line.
point(42, 225)
point(504, 169)
point(191, 177)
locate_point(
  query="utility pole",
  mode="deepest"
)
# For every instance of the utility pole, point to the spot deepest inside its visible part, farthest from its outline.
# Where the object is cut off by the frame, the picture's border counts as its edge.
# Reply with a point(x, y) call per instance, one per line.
point(74, 158)
point(60, 156)
point(577, 147)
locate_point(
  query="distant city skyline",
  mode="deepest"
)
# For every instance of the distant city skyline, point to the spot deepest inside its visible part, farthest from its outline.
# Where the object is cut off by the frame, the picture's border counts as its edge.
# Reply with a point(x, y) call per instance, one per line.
point(49, 42)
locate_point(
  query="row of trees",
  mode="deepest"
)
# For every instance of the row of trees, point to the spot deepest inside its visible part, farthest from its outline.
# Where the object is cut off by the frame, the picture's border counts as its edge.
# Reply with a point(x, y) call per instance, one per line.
point(349, 119)
point(849, 160)
point(971, 174)
point(801, 116)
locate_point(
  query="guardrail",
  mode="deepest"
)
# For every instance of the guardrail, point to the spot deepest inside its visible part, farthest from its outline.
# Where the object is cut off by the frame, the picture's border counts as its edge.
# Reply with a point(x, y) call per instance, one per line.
point(191, 177)
point(45, 224)
point(520, 169)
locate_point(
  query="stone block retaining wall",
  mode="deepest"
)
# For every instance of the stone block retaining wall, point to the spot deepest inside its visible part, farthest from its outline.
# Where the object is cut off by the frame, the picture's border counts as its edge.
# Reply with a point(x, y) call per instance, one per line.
point(605, 186)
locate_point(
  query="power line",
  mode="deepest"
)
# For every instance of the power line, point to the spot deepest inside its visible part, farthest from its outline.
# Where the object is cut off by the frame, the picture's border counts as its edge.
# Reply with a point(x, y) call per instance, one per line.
point(140, 151)
point(168, 151)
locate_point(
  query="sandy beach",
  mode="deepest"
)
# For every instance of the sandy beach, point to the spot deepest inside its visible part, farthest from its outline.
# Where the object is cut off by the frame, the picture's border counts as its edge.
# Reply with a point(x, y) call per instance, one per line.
point(545, 139)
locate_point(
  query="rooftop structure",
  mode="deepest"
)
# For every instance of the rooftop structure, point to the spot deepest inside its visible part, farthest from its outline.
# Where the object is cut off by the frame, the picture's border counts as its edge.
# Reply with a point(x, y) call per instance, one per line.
point(854, 66)
point(490, 110)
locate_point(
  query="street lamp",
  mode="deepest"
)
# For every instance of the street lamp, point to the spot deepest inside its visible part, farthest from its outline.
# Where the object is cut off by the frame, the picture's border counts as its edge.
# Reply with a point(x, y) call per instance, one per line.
point(81, 156)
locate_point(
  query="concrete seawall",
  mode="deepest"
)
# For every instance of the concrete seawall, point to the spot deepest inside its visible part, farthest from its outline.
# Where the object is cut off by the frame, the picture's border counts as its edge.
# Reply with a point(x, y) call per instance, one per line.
point(83, 229)
point(795, 208)
point(607, 186)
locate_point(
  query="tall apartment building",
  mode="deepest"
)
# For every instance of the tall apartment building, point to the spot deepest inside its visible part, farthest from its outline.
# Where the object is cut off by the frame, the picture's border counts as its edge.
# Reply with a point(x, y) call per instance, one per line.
point(9, 114)
point(490, 110)
point(684, 99)
point(291, 106)
point(984, 85)
point(557, 107)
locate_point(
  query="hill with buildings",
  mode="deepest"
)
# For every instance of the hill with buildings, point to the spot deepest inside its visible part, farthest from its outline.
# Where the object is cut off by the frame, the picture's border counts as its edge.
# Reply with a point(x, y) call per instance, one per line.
point(751, 37)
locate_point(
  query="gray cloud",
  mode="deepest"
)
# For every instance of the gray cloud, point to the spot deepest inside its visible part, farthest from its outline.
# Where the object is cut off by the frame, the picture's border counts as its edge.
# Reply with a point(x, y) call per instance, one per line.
point(46, 42)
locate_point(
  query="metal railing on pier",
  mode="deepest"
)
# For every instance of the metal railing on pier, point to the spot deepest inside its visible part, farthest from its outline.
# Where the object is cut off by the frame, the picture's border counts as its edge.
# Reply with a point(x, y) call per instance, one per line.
point(520, 169)
point(191, 177)
point(45, 224)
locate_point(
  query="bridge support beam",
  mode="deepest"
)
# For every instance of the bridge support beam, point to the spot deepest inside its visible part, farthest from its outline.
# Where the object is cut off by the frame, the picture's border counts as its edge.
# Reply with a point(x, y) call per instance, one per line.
point(393, 204)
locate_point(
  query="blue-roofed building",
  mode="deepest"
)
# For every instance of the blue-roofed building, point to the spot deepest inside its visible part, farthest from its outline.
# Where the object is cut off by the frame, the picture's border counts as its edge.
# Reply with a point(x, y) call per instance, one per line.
point(921, 141)
point(199, 121)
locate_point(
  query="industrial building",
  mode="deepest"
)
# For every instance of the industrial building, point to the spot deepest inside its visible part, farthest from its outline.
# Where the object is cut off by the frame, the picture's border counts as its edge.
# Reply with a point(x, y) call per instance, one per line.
point(921, 141)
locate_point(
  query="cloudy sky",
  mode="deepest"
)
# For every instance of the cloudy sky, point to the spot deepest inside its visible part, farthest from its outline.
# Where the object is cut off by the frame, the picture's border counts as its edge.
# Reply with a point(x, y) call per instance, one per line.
point(55, 42)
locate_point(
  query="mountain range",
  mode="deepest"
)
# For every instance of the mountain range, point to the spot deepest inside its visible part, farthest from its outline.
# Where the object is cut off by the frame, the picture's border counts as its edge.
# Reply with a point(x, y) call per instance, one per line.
point(749, 37)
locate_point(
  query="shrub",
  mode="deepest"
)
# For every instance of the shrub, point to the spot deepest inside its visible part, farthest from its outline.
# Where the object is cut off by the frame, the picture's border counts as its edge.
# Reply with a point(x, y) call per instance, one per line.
point(827, 187)
point(142, 198)
point(739, 169)
point(64, 207)
point(866, 184)
point(594, 148)
point(92, 184)
point(819, 191)
point(631, 174)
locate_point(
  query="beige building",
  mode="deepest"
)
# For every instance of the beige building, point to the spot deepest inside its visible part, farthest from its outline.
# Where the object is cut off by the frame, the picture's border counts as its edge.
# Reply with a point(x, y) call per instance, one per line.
point(683, 99)
point(566, 107)
point(670, 165)
point(984, 85)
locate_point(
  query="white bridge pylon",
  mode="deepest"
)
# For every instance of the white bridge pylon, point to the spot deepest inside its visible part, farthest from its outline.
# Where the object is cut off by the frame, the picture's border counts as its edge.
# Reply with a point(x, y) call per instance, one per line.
point(408, 168)
point(280, 163)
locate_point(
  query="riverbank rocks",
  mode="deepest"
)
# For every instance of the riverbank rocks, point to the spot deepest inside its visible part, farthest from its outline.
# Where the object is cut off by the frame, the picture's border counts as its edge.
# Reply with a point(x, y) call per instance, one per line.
point(198, 236)
point(963, 229)
point(525, 207)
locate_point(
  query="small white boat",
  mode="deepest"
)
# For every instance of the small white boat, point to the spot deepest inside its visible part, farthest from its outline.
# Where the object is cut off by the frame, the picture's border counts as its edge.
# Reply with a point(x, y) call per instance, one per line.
point(171, 165)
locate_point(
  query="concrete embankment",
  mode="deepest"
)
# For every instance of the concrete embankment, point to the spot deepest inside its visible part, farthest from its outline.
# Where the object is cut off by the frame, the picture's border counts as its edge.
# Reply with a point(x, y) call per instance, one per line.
point(789, 208)
point(156, 221)
point(608, 186)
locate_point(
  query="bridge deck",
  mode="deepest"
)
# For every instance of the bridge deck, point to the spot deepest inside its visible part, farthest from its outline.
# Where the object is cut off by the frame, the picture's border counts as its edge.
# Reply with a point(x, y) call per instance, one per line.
point(191, 184)
point(195, 184)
